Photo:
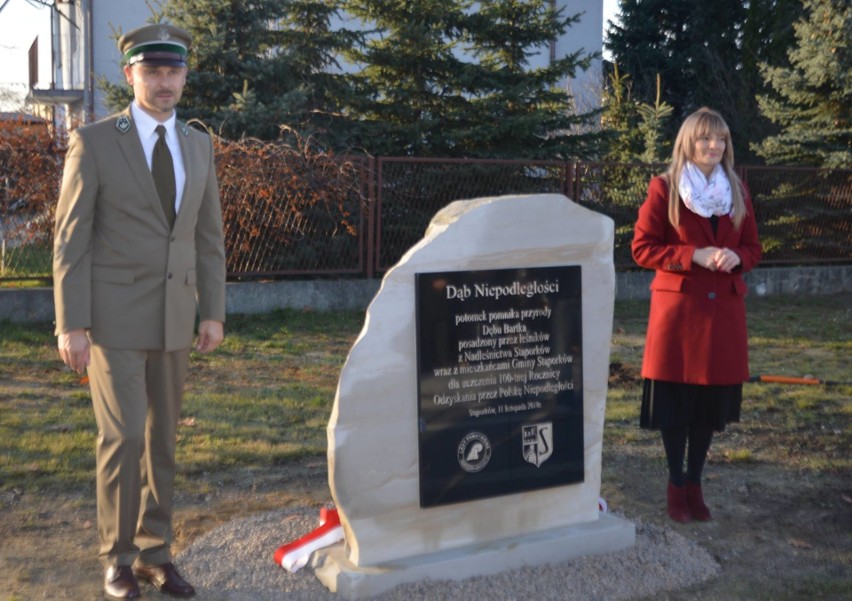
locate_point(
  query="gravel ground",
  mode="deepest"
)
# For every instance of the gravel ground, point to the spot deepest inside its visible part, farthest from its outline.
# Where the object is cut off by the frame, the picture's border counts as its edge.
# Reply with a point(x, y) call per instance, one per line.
point(235, 563)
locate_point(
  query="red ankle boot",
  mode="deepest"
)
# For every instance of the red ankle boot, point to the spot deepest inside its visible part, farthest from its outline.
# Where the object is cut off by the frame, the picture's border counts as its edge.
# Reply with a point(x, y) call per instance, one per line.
point(678, 508)
point(695, 500)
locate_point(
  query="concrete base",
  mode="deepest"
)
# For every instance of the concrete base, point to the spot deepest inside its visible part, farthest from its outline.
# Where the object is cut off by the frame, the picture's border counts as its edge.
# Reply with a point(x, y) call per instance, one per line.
point(608, 534)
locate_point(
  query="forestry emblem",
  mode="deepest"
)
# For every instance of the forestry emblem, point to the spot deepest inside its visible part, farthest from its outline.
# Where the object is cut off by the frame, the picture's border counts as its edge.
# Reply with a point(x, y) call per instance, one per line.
point(474, 452)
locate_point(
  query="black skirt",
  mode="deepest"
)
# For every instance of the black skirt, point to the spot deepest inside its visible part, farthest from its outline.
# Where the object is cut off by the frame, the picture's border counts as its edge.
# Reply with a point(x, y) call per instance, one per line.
point(673, 404)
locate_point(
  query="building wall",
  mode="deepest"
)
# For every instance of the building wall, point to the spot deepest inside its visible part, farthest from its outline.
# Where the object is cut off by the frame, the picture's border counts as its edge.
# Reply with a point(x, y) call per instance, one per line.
point(587, 35)
point(85, 49)
point(111, 16)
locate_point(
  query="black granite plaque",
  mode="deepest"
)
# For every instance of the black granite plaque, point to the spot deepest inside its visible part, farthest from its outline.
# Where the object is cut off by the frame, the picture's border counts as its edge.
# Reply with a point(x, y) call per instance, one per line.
point(499, 359)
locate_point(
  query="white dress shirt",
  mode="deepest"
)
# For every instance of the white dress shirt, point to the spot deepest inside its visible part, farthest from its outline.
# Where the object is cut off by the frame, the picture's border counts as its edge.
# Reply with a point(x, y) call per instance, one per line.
point(145, 125)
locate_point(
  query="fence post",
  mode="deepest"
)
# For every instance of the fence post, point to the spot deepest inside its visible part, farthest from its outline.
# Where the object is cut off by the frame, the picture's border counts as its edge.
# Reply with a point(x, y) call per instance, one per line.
point(568, 183)
point(575, 181)
point(371, 218)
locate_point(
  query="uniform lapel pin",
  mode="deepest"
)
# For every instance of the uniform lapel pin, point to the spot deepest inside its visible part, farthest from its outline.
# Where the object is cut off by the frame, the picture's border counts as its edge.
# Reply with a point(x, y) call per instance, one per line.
point(123, 124)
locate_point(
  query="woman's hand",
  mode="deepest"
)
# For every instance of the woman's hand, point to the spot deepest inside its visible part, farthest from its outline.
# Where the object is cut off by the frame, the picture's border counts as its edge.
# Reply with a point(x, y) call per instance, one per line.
point(716, 259)
point(726, 260)
point(706, 257)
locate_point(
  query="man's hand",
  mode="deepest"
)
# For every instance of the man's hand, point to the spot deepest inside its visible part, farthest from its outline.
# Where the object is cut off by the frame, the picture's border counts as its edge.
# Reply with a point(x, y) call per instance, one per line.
point(74, 349)
point(210, 335)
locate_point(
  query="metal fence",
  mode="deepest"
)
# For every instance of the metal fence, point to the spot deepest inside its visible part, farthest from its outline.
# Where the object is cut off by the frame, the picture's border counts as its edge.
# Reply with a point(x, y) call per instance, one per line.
point(804, 216)
point(282, 220)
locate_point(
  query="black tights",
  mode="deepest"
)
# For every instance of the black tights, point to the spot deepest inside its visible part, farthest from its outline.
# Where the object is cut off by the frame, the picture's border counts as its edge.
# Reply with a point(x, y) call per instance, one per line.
point(674, 441)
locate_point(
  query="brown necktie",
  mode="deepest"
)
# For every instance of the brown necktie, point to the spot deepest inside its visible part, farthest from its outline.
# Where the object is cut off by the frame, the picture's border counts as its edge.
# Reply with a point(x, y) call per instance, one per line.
point(163, 170)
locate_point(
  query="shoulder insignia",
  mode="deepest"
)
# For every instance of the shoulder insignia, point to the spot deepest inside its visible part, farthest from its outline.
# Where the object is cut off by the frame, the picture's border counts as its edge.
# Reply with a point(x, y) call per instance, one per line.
point(184, 129)
point(123, 124)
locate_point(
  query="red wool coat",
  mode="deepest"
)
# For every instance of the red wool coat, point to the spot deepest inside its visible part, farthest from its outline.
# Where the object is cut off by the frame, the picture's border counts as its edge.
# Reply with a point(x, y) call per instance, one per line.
point(697, 324)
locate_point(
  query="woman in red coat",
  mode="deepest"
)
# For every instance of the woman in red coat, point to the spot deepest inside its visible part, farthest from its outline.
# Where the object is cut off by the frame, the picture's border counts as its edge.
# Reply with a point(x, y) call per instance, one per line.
point(697, 230)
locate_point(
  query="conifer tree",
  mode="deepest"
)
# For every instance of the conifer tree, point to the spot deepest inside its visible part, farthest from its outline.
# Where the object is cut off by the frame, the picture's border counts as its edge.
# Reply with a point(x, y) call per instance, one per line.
point(705, 54)
point(453, 78)
point(407, 75)
point(424, 77)
point(262, 65)
point(258, 66)
point(653, 119)
point(647, 42)
point(619, 118)
point(637, 129)
point(519, 110)
point(767, 36)
point(812, 99)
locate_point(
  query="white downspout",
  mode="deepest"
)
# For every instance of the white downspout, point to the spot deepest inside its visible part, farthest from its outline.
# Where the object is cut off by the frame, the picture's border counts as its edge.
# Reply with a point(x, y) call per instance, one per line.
point(89, 41)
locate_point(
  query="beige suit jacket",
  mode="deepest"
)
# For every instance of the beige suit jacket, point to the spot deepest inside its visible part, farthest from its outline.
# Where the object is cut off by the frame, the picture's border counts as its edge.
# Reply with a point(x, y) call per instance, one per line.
point(118, 270)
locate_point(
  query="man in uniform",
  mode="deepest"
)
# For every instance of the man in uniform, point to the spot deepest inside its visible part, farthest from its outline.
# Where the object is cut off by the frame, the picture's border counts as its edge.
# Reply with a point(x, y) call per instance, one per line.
point(138, 254)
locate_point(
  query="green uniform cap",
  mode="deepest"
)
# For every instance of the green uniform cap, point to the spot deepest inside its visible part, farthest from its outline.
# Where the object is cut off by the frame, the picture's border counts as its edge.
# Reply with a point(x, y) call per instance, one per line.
point(160, 44)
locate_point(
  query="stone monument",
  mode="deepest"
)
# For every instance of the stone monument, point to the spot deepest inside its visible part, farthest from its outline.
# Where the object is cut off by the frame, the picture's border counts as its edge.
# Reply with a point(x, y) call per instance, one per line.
point(467, 428)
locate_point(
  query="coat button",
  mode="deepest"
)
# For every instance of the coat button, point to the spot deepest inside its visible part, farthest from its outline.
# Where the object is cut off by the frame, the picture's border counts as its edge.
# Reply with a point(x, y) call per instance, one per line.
point(169, 276)
point(711, 296)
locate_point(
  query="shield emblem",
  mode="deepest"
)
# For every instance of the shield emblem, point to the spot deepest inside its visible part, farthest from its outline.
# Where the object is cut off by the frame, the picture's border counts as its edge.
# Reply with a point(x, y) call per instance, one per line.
point(537, 442)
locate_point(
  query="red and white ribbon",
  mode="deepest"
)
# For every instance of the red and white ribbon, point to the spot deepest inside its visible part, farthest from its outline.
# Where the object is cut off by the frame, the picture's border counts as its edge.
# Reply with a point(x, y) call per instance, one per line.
point(294, 556)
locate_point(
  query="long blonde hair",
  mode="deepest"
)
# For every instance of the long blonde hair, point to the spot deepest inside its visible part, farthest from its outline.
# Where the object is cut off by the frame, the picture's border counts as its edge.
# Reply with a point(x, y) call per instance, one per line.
point(701, 122)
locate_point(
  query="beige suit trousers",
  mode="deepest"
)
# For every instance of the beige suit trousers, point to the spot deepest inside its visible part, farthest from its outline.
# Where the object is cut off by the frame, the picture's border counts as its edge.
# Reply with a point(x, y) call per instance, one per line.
point(136, 396)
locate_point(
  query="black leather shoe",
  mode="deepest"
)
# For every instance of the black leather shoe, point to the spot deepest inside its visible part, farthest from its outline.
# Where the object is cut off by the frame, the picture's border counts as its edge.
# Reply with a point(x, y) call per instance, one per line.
point(164, 578)
point(119, 583)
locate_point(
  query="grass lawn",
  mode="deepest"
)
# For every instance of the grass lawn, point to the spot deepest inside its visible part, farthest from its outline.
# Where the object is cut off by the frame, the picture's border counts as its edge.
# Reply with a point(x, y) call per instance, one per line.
point(264, 398)
point(255, 414)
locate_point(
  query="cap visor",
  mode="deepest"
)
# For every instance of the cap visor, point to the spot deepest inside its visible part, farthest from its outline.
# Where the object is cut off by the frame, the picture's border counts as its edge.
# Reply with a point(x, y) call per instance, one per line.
point(161, 62)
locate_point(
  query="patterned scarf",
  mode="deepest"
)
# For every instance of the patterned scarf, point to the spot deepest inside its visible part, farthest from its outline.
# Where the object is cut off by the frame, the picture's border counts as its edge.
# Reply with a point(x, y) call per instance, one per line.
point(702, 196)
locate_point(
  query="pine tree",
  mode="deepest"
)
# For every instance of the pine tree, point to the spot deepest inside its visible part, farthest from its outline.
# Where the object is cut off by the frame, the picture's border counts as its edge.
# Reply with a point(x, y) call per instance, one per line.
point(259, 69)
point(431, 77)
point(637, 129)
point(649, 41)
point(453, 78)
point(704, 52)
point(315, 49)
point(262, 65)
point(812, 100)
point(518, 110)
point(619, 119)
point(653, 118)
point(768, 34)
point(766, 38)
point(407, 79)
